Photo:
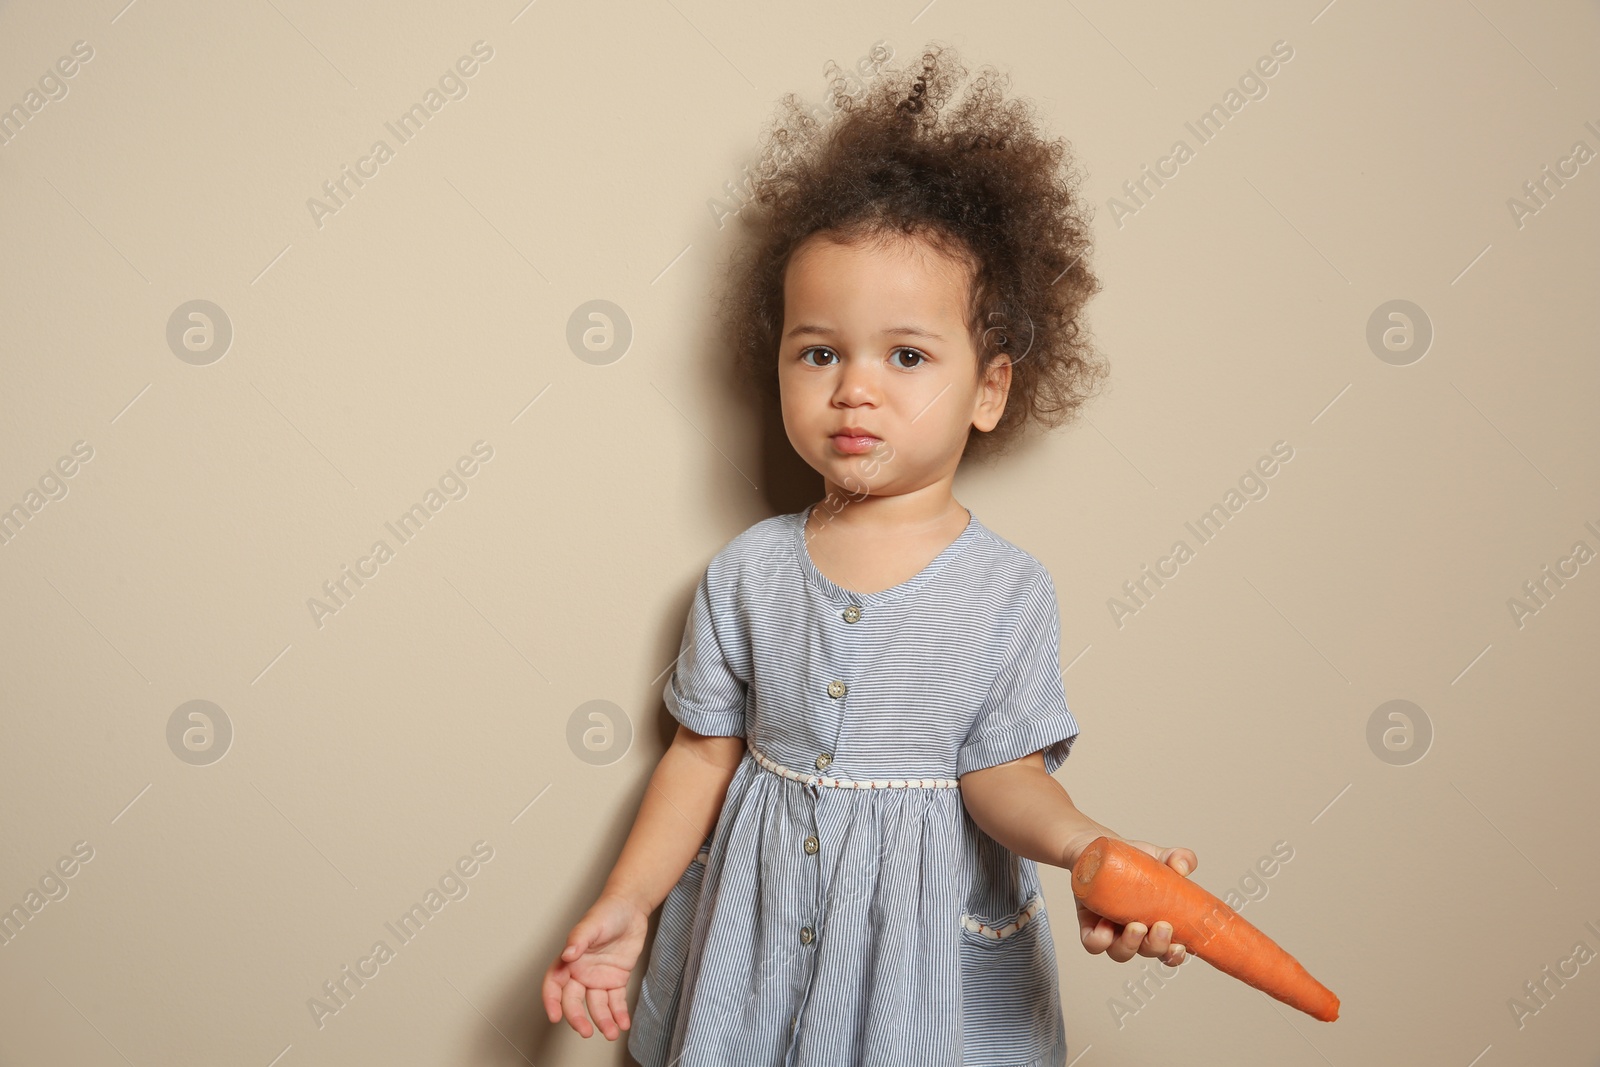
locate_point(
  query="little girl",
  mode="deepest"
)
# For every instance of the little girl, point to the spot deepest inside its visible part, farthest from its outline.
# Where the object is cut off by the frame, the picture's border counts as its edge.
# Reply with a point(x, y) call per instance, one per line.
point(844, 832)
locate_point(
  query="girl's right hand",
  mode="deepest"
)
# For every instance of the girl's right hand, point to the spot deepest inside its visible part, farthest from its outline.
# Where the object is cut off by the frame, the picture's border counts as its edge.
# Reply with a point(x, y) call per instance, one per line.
point(594, 966)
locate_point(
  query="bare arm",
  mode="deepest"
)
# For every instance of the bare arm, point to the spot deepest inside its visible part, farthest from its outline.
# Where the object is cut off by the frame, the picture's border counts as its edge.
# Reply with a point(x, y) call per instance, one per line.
point(1029, 812)
point(679, 811)
point(676, 817)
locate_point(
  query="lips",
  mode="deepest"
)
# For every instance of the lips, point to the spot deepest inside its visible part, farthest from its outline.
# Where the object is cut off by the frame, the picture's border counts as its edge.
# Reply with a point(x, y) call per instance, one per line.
point(853, 440)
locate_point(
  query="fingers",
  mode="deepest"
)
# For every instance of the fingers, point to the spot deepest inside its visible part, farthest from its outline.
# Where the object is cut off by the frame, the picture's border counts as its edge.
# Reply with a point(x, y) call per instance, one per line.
point(1122, 943)
point(600, 1009)
point(577, 943)
point(556, 979)
point(608, 1008)
point(1182, 860)
point(1096, 935)
point(1158, 943)
point(1158, 940)
point(619, 1007)
point(1126, 946)
point(1096, 931)
point(552, 993)
point(572, 1001)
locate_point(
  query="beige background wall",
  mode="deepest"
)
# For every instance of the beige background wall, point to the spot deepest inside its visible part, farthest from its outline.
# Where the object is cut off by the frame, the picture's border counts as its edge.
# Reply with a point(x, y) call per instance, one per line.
point(1243, 706)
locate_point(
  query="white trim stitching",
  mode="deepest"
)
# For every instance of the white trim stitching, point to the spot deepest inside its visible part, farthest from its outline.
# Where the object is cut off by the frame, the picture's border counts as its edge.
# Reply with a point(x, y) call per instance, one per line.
point(1029, 910)
point(849, 783)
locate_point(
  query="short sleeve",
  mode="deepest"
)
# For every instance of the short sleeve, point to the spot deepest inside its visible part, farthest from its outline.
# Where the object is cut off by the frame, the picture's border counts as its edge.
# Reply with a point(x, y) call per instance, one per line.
point(1025, 710)
point(709, 678)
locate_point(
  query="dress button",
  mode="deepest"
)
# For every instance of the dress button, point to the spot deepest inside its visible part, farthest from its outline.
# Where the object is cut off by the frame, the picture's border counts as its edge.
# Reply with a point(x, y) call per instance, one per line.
point(812, 845)
point(806, 936)
point(837, 689)
point(823, 761)
point(852, 614)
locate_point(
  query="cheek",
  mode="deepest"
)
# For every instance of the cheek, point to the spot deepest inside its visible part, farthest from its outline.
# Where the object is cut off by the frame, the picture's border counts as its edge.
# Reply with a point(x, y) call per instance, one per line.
point(940, 404)
point(788, 394)
point(799, 410)
point(801, 393)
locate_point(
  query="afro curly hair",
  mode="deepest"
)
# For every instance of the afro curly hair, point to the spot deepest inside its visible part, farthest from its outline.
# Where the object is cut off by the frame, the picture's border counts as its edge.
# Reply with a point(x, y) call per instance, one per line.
point(975, 179)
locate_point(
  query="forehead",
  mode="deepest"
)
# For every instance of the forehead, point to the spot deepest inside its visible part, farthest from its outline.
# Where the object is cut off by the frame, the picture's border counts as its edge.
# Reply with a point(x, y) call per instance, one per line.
point(880, 277)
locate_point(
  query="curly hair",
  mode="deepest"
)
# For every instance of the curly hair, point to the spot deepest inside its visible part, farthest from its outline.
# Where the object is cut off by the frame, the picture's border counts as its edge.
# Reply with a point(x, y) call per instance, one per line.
point(974, 178)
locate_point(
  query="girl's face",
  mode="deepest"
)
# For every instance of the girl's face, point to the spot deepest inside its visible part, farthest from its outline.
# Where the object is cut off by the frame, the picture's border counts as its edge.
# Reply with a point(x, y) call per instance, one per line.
point(875, 344)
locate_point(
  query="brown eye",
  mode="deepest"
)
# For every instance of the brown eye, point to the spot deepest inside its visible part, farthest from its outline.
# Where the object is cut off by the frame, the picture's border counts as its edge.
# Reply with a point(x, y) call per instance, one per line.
point(920, 357)
point(807, 351)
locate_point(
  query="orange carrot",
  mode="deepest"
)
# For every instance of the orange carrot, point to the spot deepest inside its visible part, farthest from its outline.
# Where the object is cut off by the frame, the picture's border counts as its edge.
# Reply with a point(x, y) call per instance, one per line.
point(1127, 884)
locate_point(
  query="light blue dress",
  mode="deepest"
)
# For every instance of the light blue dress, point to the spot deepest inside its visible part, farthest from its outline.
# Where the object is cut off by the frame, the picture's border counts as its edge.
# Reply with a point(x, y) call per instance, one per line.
point(847, 910)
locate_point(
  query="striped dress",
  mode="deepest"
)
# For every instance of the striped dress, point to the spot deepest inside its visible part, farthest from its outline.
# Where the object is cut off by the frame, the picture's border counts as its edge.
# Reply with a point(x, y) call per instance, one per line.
point(847, 910)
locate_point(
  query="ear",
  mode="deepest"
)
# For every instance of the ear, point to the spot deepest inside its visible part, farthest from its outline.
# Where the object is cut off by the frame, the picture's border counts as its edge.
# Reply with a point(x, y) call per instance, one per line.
point(992, 395)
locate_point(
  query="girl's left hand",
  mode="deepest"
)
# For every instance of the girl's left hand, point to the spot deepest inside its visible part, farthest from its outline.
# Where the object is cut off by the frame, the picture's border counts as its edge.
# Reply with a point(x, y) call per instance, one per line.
point(1123, 942)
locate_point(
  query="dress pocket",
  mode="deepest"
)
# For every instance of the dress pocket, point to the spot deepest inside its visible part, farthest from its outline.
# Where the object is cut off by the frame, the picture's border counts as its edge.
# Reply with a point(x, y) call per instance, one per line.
point(657, 1009)
point(1010, 994)
point(993, 932)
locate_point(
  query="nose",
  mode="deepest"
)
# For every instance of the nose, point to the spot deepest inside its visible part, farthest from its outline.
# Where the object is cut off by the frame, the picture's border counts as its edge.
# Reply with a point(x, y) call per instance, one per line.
point(857, 382)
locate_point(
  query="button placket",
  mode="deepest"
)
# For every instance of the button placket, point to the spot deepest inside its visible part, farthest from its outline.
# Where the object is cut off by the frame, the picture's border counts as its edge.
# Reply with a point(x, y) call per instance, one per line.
point(827, 821)
point(837, 688)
